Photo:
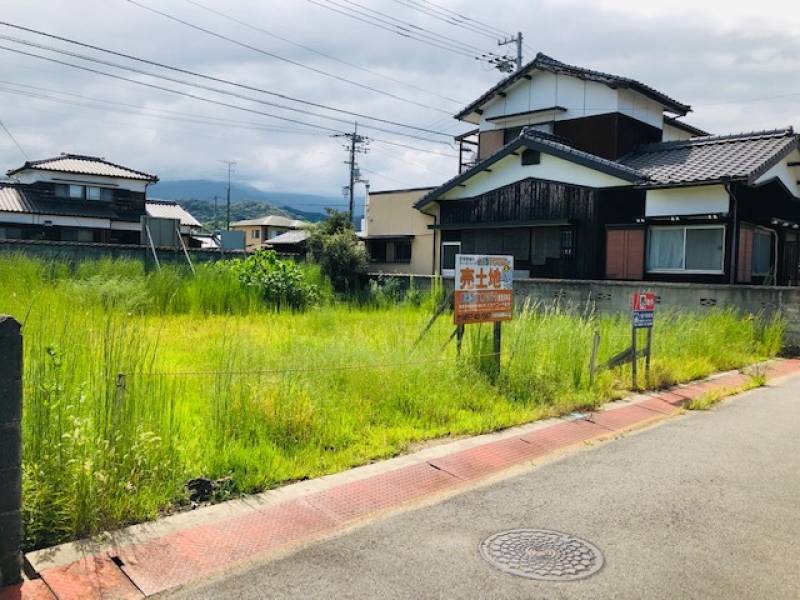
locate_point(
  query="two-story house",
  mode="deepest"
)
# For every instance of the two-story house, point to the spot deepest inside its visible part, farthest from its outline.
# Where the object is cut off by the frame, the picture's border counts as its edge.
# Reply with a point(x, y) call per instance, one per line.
point(76, 198)
point(587, 175)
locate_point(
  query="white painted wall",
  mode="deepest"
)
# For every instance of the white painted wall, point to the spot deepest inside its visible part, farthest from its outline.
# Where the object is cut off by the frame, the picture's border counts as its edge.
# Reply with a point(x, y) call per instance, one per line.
point(581, 98)
point(32, 176)
point(31, 219)
point(694, 200)
point(672, 134)
point(510, 170)
point(788, 175)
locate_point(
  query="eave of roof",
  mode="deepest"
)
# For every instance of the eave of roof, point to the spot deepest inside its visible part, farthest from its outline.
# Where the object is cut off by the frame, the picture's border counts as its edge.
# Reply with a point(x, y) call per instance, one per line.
point(546, 63)
point(683, 126)
point(535, 141)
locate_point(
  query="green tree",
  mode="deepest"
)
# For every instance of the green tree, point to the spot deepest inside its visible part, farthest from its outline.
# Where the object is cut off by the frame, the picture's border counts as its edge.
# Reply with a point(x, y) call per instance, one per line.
point(334, 245)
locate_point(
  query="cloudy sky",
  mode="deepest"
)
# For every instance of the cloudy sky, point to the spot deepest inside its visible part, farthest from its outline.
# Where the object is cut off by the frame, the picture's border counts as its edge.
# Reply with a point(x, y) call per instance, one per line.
point(737, 66)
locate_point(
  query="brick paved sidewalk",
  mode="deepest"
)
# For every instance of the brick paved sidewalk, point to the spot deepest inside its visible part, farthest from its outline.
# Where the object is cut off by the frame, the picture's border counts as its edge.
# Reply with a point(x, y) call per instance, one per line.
point(136, 570)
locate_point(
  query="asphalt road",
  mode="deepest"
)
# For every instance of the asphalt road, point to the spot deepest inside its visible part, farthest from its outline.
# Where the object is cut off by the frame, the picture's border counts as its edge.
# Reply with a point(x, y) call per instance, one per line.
point(706, 505)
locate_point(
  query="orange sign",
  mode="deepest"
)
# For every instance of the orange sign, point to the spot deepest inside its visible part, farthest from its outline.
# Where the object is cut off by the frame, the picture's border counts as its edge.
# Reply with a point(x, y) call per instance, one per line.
point(483, 288)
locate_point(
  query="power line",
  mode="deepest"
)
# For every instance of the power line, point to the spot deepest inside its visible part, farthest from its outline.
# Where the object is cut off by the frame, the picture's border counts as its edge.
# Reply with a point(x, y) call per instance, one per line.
point(200, 119)
point(319, 52)
point(207, 88)
point(193, 74)
point(451, 20)
point(457, 15)
point(13, 139)
point(405, 25)
point(281, 58)
point(392, 29)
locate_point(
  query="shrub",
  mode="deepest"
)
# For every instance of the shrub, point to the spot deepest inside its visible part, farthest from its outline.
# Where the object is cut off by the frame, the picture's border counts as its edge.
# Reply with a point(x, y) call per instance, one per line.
point(281, 282)
point(333, 244)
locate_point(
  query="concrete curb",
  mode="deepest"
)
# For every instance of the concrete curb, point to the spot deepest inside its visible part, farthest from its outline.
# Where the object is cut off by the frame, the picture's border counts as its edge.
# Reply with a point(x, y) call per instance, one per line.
point(148, 559)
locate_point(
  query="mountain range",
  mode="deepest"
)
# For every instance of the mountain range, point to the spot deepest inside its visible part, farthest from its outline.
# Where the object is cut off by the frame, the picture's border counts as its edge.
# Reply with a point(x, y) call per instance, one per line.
point(247, 202)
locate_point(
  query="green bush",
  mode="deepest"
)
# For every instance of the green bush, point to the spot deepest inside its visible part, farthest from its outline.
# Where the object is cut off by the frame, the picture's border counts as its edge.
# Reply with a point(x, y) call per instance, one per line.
point(334, 245)
point(282, 283)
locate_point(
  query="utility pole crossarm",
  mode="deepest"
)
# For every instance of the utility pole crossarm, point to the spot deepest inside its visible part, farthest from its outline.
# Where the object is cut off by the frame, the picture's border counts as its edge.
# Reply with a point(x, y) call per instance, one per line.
point(506, 65)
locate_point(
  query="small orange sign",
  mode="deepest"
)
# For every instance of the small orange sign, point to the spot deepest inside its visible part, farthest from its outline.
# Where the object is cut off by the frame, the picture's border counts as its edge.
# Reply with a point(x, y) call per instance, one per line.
point(483, 288)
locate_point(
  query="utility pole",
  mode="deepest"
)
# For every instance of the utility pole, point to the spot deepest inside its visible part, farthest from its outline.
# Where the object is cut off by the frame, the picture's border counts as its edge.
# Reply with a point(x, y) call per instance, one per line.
point(216, 220)
point(507, 66)
point(230, 164)
point(356, 144)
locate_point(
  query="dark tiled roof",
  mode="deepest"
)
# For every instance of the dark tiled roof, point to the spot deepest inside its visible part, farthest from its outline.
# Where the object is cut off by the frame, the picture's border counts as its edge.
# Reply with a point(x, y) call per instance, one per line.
point(741, 157)
point(543, 142)
point(545, 63)
point(84, 165)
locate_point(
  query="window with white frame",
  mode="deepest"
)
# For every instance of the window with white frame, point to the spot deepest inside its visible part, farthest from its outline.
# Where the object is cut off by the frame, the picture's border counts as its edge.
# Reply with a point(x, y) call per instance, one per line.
point(93, 193)
point(255, 234)
point(686, 249)
point(76, 192)
point(762, 252)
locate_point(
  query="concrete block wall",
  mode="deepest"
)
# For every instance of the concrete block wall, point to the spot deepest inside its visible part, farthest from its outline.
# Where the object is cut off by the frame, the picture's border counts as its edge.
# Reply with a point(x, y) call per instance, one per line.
point(615, 296)
point(75, 252)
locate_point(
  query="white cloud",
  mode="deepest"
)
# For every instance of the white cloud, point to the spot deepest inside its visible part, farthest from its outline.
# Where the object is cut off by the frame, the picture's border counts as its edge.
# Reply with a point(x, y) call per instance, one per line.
point(712, 55)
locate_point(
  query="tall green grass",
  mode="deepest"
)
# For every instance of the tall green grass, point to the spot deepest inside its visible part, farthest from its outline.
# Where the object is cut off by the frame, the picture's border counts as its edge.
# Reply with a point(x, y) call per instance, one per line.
point(216, 384)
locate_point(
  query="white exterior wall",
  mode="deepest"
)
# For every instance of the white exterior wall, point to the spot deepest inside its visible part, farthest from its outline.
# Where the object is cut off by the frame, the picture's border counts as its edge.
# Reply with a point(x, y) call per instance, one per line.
point(32, 219)
point(687, 201)
point(510, 170)
point(33, 176)
point(788, 175)
point(672, 134)
point(581, 98)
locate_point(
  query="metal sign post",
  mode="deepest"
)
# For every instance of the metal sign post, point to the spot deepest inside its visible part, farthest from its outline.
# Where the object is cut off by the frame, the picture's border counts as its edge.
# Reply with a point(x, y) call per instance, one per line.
point(484, 293)
point(643, 307)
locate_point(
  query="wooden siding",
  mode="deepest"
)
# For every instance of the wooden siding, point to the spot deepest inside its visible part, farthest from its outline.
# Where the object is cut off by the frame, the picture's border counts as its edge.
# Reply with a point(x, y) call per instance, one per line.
point(609, 135)
point(526, 200)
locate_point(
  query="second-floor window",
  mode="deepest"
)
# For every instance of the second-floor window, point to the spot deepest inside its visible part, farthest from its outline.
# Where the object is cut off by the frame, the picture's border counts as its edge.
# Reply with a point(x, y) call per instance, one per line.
point(255, 234)
point(84, 192)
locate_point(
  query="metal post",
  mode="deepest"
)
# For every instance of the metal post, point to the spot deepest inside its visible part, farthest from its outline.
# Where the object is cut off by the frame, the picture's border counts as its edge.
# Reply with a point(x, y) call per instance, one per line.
point(593, 359)
point(152, 245)
point(459, 338)
point(633, 358)
point(185, 251)
point(497, 342)
point(10, 451)
point(647, 357)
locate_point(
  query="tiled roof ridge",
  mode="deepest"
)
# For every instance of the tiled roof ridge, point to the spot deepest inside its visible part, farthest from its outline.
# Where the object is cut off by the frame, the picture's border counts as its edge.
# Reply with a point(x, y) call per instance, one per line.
point(68, 156)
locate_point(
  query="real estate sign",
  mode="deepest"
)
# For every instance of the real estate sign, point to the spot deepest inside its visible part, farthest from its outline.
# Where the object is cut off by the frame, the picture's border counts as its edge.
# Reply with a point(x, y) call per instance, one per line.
point(644, 308)
point(483, 288)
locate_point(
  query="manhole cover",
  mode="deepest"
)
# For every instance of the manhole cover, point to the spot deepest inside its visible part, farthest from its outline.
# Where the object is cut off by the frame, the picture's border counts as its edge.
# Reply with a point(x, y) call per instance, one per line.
point(542, 554)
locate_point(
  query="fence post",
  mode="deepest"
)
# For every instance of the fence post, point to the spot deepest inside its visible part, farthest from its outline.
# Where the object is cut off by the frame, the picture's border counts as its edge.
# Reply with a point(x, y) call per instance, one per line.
point(10, 451)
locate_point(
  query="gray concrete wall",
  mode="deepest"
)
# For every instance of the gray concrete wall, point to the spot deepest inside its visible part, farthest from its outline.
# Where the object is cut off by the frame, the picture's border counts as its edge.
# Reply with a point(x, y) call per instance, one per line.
point(615, 296)
point(75, 252)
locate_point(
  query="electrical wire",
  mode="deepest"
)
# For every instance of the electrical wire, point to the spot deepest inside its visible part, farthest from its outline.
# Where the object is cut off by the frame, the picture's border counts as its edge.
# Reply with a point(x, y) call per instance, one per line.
point(320, 53)
point(100, 104)
point(192, 73)
point(455, 14)
point(13, 139)
point(454, 21)
point(278, 57)
point(392, 30)
point(205, 99)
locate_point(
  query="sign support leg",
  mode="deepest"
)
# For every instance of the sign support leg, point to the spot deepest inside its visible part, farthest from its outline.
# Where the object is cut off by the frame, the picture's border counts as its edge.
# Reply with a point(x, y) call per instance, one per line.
point(459, 338)
point(497, 340)
point(634, 359)
point(593, 360)
point(647, 356)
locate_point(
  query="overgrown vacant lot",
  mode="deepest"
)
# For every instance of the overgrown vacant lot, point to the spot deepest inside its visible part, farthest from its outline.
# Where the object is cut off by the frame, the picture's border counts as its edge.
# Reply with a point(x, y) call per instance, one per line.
point(217, 384)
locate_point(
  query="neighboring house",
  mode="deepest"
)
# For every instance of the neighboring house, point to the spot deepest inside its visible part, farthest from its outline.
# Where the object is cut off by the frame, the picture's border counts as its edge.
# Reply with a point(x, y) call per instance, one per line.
point(258, 231)
point(74, 198)
point(396, 235)
point(293, 243)
point(586, 175)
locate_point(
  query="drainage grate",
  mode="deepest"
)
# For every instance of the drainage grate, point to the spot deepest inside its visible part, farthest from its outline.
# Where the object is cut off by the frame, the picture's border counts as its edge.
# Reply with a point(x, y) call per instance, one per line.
point(542, 554)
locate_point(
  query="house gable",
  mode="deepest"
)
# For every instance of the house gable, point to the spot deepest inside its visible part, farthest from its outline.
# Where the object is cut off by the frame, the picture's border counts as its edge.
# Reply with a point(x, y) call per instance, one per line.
point(787, 171)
